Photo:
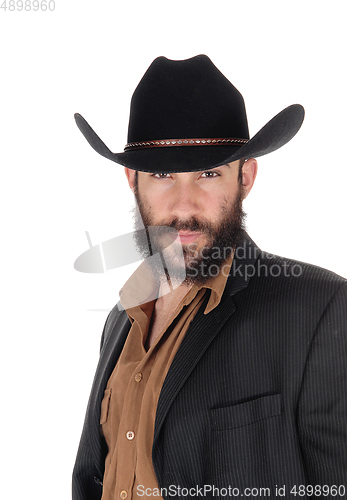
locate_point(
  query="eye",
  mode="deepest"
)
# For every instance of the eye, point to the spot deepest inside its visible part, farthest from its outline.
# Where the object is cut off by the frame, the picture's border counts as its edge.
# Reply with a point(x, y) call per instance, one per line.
point(210, 174)
point(161, 175)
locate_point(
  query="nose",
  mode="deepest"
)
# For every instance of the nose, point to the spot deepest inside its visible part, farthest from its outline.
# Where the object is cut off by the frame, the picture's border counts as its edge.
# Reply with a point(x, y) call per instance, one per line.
point(185, 202)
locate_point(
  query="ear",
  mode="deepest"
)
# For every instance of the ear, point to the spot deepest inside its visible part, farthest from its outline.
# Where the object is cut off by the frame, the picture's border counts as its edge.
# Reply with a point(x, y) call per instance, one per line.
point(130, 174)
point(249, 173)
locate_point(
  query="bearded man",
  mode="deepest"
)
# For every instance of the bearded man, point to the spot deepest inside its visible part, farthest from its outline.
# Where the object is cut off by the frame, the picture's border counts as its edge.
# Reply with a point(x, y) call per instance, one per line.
point(222, 370)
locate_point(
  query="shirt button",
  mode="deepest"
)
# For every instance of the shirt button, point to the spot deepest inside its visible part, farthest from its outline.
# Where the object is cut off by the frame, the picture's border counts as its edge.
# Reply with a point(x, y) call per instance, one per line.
point(130, 435)
point(138, 377)
point(123, 494)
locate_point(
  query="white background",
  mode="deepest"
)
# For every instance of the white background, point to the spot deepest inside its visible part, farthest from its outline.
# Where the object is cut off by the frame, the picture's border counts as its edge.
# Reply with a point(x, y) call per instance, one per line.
point(88, 57)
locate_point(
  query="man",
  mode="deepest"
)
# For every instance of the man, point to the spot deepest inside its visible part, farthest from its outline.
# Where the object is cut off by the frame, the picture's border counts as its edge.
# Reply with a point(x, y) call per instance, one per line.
point(229, 379)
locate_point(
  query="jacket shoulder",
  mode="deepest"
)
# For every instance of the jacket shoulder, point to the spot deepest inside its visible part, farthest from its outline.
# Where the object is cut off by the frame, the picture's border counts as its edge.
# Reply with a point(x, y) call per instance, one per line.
point(298, 273)
point(287, 284)
point(116, 315)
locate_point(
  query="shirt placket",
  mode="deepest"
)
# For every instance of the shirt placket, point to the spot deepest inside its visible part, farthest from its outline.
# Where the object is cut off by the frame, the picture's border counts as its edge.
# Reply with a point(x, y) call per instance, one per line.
point(128, 428)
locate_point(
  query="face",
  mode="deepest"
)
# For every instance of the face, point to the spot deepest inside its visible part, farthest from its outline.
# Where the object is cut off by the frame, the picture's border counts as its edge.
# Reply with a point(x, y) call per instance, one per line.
point(205, 208)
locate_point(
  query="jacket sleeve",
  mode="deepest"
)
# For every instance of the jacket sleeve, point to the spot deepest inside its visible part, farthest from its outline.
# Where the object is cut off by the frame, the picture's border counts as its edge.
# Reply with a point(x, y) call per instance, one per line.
point(109, 324)
point(322, 408)
point(86, 478)
point(85, 483)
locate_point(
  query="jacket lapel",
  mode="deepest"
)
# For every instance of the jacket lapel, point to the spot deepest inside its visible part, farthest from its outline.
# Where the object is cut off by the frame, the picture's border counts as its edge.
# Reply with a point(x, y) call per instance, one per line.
point(204, 329)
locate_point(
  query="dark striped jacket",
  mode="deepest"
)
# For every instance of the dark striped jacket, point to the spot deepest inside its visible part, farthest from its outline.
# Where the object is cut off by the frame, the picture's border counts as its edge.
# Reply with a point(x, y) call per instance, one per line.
point(256, 396)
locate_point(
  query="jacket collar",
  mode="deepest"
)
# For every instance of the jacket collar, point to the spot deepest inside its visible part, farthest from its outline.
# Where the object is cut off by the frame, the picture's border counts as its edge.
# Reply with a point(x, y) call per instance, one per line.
point(243, 267)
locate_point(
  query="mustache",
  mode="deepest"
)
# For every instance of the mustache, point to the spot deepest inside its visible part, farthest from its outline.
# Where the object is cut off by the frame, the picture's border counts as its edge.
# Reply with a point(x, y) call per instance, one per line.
point(191, 224)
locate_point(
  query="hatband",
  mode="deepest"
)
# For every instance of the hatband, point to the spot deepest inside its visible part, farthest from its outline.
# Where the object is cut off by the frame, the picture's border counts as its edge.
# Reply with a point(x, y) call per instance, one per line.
point(163, 143)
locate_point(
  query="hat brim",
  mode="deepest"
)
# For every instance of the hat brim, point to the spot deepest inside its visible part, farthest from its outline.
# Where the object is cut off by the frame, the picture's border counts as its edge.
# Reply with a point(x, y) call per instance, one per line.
point(275, 134)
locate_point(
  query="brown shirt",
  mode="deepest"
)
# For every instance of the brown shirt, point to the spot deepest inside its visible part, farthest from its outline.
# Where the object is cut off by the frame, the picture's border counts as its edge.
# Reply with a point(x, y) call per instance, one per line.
point(130, 401)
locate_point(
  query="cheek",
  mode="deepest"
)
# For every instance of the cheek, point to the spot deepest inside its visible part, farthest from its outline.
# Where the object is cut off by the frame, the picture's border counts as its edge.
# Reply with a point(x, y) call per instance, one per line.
point(215, 208)
point(154, 209)
point(157, 203)
point(161, 202)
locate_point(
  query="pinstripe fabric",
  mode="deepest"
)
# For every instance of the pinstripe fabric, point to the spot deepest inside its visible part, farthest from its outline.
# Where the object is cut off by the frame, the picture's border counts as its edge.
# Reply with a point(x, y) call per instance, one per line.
point(257, 393)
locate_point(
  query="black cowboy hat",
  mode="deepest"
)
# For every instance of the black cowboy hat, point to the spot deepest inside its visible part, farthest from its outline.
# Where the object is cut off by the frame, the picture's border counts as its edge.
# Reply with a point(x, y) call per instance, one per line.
point(186, 116)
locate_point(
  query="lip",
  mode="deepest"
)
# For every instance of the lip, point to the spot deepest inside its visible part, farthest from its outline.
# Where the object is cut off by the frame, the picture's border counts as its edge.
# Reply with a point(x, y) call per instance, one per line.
point(187, 237)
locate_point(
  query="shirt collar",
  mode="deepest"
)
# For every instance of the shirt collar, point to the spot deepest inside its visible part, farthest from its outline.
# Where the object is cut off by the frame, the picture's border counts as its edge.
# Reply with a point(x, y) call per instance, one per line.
point(142, 289)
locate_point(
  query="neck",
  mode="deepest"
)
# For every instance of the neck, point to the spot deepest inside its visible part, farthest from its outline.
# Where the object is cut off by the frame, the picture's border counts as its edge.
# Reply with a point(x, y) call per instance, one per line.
point(170, 300)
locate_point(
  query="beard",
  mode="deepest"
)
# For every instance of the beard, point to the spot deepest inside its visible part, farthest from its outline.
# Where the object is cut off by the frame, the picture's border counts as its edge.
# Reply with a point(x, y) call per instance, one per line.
point(188, 264)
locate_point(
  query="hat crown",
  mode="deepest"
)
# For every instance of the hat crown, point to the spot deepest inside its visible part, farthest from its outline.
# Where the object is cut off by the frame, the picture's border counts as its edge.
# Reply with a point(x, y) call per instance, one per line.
point(186, 99)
